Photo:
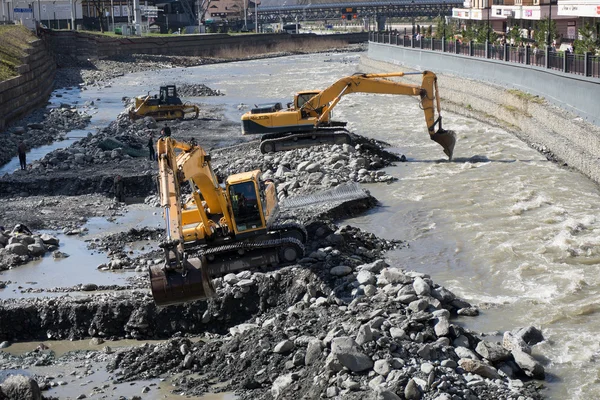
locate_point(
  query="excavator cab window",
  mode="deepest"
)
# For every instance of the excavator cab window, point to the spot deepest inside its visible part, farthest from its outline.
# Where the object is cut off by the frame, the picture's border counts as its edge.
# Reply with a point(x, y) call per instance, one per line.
point(303, 98)
point(244, 204)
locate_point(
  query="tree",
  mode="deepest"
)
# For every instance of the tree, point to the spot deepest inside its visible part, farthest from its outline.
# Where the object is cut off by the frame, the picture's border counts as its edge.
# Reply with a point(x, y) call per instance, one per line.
point(440, 26)
point(586, 41)
point(429, 31)
point(482, 34)
point(541, 32)
point(468, 34)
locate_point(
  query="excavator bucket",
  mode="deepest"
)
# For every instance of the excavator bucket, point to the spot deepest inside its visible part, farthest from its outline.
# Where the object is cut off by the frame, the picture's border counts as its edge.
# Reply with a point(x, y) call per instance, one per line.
point(174, 287)
point(446, 139)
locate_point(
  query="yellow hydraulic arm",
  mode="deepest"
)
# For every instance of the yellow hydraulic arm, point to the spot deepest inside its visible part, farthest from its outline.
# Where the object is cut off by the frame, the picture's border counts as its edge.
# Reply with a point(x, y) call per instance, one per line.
point(191, 164)
point(322, 104)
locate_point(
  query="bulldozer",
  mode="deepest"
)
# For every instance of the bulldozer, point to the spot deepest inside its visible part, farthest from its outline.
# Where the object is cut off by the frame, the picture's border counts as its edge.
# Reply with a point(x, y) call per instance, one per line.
point(165, 106)
point(218, 229)
point(308, 120)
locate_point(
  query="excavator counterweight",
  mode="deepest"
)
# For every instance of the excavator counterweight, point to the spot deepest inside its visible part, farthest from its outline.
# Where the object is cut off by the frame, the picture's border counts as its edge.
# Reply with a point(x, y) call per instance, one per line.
point(307, 122)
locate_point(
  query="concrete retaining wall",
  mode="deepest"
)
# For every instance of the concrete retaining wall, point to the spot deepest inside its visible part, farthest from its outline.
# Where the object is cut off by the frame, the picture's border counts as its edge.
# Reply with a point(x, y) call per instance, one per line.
point(84, 46)
point(554, 131)
point(578, 94)
point(31, 88)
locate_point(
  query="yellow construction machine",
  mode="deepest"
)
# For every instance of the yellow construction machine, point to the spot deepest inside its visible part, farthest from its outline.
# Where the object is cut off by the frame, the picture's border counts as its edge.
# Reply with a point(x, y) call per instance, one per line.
point(165, 106)
point(218, 229)
point(307, 121)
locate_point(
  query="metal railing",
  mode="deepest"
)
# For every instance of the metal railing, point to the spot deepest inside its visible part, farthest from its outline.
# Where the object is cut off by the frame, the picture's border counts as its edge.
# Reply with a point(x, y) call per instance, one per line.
point(579, 64)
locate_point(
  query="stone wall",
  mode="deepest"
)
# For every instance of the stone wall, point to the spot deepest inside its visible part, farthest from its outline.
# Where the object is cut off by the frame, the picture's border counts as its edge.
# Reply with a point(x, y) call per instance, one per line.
point(84, 46)
point(554, 131)
point(31, 88)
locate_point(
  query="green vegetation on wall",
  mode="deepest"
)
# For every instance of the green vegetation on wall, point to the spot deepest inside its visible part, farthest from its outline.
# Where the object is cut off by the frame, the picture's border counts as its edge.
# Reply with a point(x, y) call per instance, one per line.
point(14, 39)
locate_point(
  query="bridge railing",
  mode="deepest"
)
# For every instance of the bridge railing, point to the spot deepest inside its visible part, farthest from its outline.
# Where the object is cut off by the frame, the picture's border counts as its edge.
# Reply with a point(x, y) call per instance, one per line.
point(581, 64)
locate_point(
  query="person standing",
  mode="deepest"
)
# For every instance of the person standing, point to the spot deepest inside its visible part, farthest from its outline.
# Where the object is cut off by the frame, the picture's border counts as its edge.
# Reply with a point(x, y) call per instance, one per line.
point(166, 131)
point(119, 189)
point(151, 154)
point(22, 150)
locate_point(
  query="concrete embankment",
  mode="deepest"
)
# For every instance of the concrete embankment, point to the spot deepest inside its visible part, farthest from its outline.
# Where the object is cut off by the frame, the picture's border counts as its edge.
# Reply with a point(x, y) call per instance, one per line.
point(557, 133)
point(33, 84)
point(85, 46)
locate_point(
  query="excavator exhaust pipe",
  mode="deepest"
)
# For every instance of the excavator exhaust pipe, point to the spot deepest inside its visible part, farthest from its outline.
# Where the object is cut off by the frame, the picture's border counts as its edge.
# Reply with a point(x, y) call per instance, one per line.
point(174, 287)
point(446, 139)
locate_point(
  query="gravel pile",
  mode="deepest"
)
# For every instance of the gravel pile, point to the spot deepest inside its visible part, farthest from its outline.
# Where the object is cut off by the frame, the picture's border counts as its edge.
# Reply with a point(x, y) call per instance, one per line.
point(197, 90)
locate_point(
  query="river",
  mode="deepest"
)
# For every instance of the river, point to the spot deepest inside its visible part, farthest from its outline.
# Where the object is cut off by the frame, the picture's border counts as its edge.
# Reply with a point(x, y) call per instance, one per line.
point(500, 225)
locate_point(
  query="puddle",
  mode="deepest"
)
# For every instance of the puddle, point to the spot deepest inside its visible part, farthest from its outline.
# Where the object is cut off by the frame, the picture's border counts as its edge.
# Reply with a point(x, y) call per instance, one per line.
point(99, 383)
point(81, 265)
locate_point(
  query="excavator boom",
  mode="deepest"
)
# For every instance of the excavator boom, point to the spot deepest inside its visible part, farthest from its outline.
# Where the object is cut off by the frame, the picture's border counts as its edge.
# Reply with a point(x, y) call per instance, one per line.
point(309, 123)
point(218, 229)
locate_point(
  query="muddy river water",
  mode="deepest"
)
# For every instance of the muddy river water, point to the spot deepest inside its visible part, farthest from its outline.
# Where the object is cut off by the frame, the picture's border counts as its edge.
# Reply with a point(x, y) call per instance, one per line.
point(499, 225)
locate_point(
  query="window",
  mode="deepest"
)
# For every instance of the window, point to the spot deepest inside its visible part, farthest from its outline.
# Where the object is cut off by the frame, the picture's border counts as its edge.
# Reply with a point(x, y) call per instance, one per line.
point(244, 204)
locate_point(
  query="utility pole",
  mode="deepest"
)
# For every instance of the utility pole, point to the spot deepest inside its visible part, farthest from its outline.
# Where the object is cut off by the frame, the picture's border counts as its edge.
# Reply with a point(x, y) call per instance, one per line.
point(112, 14)
point(137, 17)
point(256, 14)
point(245, 15)
point(72, 15)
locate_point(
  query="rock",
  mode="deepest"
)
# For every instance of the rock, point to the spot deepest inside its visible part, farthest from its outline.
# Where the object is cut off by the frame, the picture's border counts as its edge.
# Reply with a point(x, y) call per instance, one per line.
point(412, 391)
point(442, 328)
point(382, 367)
point(188, 361)
point(49, 239)
point(394, 275)
point(468, 312)
point(340, 270)
point(5, 344)
point(89, 287)
point(313, 351)
point(479, 368)
point(18, 249)
point(511, 342)
point(231, 279)
point(385, 394)
point(449, 364)
point(530, 335)
point(364, 334)
point(21, 387)
point(96, 341)
point(59, 254)
point(241, 328)
point(494, 352)
point(365, 277)
point(36, 249)
point(463, 352)
point(398, 333)
point(348, 354)
point(284, 346)
point(421, 287)
point(280, 384)
point(528, 364)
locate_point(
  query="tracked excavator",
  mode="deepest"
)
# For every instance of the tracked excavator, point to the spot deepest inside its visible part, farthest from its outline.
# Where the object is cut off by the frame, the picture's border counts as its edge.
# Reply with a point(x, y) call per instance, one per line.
point(219, 228)
point(307, 121)
point(165, 106)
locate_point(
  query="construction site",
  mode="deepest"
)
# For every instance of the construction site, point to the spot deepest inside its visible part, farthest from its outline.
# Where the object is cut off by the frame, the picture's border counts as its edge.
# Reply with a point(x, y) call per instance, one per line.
point(292, 225)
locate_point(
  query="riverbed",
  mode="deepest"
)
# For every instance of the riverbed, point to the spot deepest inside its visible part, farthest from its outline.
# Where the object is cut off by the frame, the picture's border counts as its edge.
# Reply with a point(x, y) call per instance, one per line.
point(499, 225)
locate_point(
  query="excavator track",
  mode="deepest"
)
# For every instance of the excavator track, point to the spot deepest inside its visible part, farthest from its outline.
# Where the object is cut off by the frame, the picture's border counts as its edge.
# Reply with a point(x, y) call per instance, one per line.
point(233, 257)
point(275, 142)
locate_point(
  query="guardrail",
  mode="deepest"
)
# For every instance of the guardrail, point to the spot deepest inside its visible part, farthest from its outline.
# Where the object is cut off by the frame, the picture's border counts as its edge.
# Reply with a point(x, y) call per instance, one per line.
point(579, 64)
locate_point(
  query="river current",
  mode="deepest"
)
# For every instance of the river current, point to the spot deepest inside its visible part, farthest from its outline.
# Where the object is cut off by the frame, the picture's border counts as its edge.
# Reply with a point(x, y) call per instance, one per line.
point(499, 225)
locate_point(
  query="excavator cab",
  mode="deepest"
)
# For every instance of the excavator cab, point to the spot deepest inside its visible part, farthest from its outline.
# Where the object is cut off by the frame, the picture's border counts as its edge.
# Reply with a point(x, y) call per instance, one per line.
point(246, 208)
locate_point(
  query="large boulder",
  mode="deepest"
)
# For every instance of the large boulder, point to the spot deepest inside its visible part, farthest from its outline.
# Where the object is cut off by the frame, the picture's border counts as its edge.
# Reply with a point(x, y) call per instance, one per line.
point(18, 249)
point(528, 364)
point(346, 350)
point(479, 368)
point(37, 249)
point(21, 387)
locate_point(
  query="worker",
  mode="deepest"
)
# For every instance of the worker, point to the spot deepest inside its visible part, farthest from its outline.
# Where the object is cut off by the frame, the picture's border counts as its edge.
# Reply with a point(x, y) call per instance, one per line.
point(166, 131)
point(22, 150)
point(151, 154)
point(21, 229)
point(119, 189)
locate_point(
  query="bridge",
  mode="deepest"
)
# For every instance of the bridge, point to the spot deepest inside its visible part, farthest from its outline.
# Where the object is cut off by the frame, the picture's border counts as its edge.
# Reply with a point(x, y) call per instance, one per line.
point(274, 11)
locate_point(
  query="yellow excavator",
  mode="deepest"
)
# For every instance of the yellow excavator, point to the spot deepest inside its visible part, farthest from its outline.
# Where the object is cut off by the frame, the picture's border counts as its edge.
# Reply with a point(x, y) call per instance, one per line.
point(165, 106)
point(218, 229)
point(307, 122)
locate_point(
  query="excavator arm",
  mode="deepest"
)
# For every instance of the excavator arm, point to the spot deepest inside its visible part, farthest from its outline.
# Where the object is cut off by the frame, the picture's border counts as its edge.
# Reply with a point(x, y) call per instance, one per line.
point(321, 105)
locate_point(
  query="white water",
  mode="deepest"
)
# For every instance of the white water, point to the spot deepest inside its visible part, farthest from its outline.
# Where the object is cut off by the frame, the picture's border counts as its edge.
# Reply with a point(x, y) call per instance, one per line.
point(500, 225)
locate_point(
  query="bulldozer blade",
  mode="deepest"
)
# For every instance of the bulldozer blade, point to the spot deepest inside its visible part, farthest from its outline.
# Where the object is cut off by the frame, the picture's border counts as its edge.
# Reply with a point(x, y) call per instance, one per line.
point(446, 139)
point(345, 192)
point(174, 287)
